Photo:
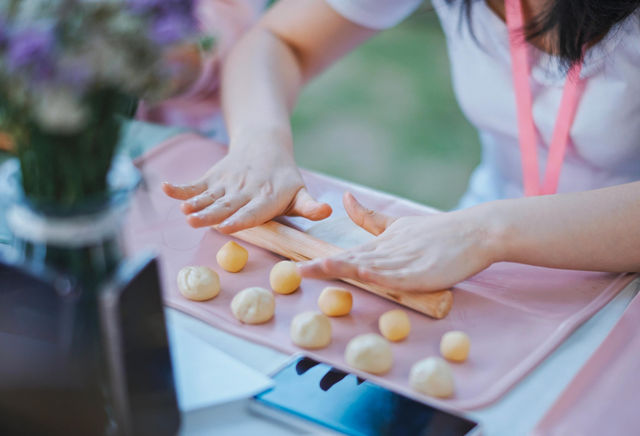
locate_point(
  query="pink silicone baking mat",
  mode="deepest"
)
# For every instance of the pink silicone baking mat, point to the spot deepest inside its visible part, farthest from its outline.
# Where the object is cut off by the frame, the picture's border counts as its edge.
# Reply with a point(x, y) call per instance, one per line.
point(515, 315)
point(603, 398)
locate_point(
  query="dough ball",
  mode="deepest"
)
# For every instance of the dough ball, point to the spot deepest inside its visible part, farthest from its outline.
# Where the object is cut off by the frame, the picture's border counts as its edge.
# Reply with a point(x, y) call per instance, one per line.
point(311, 330)
point(198, 283)
point(369, 352)
point(455, 346)
point(335, 301)
point(253, 305)
point(432, 376)
point(232, 257)
point(284, 277)
point(394, 325)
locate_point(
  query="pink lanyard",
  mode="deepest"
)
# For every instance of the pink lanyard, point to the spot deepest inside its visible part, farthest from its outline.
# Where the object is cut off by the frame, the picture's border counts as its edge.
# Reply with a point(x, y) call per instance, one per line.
point(526, 128)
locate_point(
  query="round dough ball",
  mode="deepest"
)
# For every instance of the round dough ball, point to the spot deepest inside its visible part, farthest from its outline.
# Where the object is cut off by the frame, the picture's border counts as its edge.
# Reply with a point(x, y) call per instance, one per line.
point(369, 352)
point(432, 376)
point(311, 330)
point(335, 301)
point(284, 277)
point(198, 283)
point(232, 257)
point(253, 305)
point(394, 325)
point(455, 346)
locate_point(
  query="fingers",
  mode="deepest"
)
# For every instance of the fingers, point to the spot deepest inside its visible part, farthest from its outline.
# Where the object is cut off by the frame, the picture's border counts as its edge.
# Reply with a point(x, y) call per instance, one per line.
point(217, 212)
point(335, 268)
point(306, 206)
point(398, 280)
point(203, 200)
point(254, 213)
point(183, 192)
point(344, 265)
point(373, 222)
point(329, 268)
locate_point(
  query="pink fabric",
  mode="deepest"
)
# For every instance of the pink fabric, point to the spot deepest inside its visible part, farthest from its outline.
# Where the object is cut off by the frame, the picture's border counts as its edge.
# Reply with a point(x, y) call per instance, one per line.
point(515, 314)
point(603, 398)
point(573, 89)
point(199, 107)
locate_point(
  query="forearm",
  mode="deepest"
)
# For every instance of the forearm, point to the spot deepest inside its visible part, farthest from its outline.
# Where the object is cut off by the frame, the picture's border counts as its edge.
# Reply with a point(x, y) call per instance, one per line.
point(294, 41)
point(594, 230)
point(261, 80)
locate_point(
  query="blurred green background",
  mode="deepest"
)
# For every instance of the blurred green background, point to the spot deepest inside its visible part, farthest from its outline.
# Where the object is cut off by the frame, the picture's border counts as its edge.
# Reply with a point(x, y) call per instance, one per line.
point(386, 117)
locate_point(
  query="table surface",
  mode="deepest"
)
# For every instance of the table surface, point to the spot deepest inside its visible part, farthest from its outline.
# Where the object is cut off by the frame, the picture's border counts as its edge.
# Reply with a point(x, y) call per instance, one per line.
point(515, 414)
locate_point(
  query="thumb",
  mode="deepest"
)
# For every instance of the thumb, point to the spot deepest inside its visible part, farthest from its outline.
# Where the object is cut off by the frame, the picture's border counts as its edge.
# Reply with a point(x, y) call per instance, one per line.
point(184, 192)
point(370, 220)
point(306, 206)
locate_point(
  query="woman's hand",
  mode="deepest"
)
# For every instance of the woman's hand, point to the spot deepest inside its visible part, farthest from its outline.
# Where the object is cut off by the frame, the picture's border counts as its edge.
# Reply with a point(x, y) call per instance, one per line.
point(247, 188)
point(415, 253)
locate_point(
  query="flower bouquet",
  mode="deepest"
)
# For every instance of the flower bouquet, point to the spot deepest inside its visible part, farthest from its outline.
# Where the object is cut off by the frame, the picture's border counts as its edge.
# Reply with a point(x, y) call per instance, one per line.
point(68, 69)
point(70, 72)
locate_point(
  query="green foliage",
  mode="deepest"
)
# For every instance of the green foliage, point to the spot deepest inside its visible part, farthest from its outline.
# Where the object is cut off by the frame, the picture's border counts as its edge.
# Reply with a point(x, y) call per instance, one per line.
point(386, 117)
point(66, 67)
point(62, 171)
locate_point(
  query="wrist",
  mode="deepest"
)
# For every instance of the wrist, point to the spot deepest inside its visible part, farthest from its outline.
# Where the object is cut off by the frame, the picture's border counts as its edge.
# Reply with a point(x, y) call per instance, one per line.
point(496, 228)
point(261, 138)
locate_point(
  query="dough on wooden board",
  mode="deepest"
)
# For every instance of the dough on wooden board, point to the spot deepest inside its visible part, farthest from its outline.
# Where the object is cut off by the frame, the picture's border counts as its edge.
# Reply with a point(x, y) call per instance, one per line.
point(335, 301)
point(284, 277)
point(432, 376)
point(232, 257)
point(253, 305)
point(394, 325)
point(198, 283)
point(369, 352)
point(311, 330)
point(455, 345)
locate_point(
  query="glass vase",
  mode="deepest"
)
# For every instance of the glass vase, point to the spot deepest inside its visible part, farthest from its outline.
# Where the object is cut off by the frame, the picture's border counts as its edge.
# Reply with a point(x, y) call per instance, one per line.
point(76, 248)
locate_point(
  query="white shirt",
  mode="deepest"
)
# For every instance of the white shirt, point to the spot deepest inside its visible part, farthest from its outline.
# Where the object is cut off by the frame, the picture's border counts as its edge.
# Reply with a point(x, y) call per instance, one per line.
point(604, 148)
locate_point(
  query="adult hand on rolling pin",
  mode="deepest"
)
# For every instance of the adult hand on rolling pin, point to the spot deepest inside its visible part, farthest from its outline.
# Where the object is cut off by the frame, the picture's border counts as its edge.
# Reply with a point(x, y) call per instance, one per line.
point(414, 253)
point(245, 189)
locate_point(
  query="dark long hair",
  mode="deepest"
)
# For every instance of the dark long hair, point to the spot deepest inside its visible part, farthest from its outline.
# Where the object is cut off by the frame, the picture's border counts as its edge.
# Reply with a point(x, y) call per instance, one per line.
point(574, 24)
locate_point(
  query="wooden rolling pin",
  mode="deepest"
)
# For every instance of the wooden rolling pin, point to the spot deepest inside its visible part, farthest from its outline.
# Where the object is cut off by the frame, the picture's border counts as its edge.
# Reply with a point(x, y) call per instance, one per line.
point(299, 246)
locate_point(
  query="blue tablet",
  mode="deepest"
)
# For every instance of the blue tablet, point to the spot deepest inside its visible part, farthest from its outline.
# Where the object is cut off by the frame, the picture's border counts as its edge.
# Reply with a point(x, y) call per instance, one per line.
point(351, 405)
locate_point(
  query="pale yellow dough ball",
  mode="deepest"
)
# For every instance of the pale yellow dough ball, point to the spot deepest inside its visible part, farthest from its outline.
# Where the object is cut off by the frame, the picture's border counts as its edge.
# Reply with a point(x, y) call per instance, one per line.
point(394, 325)
point(311, 330)
point(232, 257)
point(253, 305)
point(432, 376)
point(369, 352)
point(284, 277)
point(198, 283)
point(335, 301)
point(455, 346)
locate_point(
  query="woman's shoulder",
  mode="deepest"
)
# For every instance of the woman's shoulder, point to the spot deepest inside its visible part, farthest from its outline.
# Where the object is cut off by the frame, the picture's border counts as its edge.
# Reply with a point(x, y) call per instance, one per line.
point(628, 35)
point(618, 53)
point(375, 14)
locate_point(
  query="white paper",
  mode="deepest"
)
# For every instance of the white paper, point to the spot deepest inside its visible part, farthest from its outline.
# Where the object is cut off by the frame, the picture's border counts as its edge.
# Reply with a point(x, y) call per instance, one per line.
point(205, 376)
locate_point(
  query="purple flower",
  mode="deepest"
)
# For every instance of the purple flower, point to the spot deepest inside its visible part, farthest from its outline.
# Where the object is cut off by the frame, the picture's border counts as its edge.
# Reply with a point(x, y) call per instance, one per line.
point(169, 29)
point(170, 20)
point(145, 5)
point(32, 49)
point(75, 73)
point(173, 7)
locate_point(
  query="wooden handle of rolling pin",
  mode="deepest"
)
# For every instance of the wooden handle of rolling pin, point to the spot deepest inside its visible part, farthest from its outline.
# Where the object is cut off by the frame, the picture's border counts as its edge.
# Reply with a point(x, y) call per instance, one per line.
point(299, 246)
